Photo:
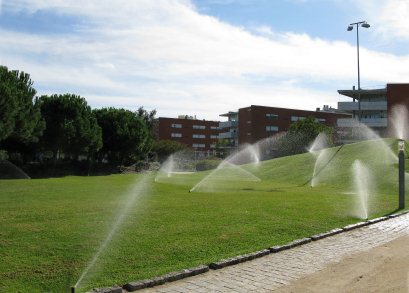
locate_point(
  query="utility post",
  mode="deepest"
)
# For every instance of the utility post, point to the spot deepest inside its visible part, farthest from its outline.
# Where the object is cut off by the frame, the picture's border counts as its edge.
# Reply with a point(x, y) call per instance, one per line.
point(401, 174)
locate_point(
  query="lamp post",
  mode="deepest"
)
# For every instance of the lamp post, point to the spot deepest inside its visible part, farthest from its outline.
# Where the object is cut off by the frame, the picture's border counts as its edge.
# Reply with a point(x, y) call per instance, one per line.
point(350, 28)
point(401, 174)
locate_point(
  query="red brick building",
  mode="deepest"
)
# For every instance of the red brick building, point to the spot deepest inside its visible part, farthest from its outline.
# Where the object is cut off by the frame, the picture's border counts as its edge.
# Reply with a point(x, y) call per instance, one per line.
point(372, 107)
point(258, 122)
point(199, 135)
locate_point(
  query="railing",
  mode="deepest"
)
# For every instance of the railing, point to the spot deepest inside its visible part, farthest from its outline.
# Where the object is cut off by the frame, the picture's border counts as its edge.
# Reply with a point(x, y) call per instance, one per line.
point(370, 122)
point(354, 106)
point(227, 135)
point(227, 124)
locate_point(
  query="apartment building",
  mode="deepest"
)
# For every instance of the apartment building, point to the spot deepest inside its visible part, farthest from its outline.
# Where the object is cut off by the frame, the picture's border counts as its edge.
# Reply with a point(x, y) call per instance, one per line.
point(254, 123)
point(372, 107)
point(199, 135)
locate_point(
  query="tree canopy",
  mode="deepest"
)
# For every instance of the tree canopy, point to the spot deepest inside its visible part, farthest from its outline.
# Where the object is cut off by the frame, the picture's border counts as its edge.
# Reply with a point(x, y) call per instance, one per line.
point(125, 134)
point(21, 120)
point(71, 128)
point(300, 135)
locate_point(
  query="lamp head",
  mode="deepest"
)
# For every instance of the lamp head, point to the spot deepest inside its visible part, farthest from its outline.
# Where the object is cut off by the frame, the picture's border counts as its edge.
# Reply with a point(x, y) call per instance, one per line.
point(350, 28)
point(365, 25)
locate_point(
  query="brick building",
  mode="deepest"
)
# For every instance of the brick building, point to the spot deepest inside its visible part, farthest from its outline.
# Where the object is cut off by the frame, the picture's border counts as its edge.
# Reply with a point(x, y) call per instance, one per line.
point(372, 107)
point(254, 123)
point(199, 135)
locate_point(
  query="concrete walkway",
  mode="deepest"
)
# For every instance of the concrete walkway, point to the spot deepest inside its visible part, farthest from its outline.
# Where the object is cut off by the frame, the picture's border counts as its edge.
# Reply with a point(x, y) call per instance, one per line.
point(275, 270)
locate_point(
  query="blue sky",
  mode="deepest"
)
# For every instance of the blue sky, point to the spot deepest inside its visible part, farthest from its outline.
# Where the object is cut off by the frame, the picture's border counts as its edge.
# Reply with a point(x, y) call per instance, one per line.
point(204, 57)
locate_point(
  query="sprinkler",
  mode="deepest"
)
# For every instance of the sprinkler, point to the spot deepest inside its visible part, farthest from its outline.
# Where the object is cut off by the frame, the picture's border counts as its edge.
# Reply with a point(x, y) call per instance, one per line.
point(401, 144)
point(73, 289)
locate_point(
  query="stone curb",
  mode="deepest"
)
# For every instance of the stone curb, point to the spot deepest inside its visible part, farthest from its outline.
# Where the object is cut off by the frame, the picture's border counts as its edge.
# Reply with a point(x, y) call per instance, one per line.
point(114, 289)
point(356, 225)
point(297, 242)
point(170, 277)
point(174, 276)
point(238, 259)
point(326, 234)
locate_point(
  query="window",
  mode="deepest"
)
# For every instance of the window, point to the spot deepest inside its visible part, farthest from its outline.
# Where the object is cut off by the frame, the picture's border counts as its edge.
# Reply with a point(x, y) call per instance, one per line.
point(198, 145)
point(175, 125)
point(214, 127)
point(199, 136)
point(296, 118)
point(212, 146)
point(321, 120)
point(271, 128)
point(249, 122)
point(272, 116)
point(214, 136)
point(176, 135)
point(199, 127)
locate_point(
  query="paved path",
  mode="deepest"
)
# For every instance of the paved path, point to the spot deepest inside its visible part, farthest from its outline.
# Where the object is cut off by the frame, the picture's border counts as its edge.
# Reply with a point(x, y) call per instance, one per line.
point(278, 269)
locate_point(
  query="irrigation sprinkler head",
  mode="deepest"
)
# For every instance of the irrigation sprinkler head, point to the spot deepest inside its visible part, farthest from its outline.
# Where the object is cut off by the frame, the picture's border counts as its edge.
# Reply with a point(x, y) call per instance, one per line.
point(401, 144)
point(73, 289)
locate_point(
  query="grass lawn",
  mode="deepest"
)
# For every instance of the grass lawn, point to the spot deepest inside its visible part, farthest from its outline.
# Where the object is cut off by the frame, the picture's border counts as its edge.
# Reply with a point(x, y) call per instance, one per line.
point(51, 228)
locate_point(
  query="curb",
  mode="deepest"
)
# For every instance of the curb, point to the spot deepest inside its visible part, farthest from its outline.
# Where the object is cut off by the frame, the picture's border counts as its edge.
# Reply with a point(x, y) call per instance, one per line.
point(174, 276)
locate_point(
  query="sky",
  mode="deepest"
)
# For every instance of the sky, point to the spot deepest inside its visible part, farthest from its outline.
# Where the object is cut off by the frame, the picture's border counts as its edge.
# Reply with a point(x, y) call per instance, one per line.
point(204, 57)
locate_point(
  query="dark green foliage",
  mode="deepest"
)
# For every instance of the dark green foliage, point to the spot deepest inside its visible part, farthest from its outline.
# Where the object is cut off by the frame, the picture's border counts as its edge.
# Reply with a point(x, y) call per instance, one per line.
point(20, 117)
point(71, 128)
point(164, 148)
point(300, 135)
point(126, 136)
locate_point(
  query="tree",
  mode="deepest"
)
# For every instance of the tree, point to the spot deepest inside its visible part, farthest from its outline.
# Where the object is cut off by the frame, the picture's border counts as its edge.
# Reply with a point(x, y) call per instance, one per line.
point(300, 135)
point(164, 148)
point(20, 117)
point(126, 136)
point(71, 128)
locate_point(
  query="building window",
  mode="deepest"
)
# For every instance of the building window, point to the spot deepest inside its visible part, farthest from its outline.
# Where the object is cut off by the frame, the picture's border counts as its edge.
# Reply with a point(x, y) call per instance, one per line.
point(271, 128)
point(199, 127)
point(249, 122)
point(214, 136)
point(198, 145)
point(214, 127)
point(272, 116)
point(176, 135)
point(199, 136)
point(212, 146)
point(321, 120)
point(175, 125)
point(296, 118)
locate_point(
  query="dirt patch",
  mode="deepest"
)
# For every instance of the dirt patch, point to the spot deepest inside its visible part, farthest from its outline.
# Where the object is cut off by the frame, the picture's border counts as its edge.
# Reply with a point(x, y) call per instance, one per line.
point(381, 269)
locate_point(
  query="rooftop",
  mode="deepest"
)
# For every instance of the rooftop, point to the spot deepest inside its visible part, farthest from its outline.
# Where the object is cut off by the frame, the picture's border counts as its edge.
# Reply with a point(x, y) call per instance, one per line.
point(362, 92)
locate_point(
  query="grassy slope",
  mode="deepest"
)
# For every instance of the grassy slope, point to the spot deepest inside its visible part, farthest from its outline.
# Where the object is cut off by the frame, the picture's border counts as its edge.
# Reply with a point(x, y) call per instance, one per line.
point(49, 229)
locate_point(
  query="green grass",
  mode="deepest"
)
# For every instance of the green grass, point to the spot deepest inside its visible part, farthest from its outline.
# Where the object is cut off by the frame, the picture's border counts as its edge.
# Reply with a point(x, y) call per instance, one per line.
point(50, 228)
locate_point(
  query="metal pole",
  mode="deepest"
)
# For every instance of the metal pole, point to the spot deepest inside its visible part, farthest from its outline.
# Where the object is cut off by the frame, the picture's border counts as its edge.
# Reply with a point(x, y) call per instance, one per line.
point(401, 175)
point(357, 53)
point(359, 73)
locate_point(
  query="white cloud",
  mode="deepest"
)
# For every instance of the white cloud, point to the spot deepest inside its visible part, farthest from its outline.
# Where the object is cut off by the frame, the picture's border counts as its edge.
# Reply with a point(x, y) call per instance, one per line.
point(166, 55)
point(389, 17)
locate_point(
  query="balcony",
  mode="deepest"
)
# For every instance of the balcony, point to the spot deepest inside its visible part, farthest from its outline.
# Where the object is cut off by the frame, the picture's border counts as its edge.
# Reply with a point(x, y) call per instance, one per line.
point(370, 122)
point(227, 135)
point(228, 124)
point(365, 106)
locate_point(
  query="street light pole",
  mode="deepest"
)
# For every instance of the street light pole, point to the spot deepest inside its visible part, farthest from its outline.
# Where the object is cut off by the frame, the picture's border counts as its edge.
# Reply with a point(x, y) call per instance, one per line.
point(350, 28)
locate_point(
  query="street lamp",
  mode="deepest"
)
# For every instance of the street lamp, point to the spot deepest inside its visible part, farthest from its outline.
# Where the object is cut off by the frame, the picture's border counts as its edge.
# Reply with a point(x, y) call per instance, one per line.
point(350, 28)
